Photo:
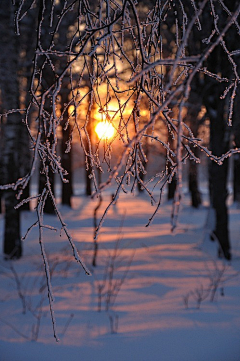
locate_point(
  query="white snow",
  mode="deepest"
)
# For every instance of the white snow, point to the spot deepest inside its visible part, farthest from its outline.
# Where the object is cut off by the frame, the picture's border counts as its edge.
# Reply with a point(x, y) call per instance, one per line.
point(163, 310)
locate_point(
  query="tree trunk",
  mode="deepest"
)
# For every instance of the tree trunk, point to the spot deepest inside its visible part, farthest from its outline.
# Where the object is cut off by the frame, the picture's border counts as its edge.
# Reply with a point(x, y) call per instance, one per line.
point(1, 202)
point(12, 127)
point(236, 178)
point(173, 184)
point(48, 78)
point(1, 163)
point(236, 157)
point(24, 164)
point(172, 188)
point(193, 184)
point(89, 130)
point(88, 168)
point(219, 143)
point(26, 52)
point(66, 127)
point(193, 110)
point(12, 239)
point(218, 112)
point(67, 189)
point(144, 163)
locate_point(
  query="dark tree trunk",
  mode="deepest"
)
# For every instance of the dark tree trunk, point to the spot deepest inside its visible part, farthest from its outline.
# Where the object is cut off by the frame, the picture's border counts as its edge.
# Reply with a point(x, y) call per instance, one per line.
point(218, 113)
point(172, 187)
point(219, 197)
point(219, 143)
point(236, 157)
point(194, 108)
point(88, 167)
point(95, 243)
point(67, 189)
point(26, 45)
point(193, 185)
point(236, 178)
point(12, 127)
point(24, 165)
point(144, 163)
point(88, 171)
point(173, 184)
point(1, 162)
point(66, 127)
point(1, 202)
point(12, 239)
point(89, 130)
point(47, 80)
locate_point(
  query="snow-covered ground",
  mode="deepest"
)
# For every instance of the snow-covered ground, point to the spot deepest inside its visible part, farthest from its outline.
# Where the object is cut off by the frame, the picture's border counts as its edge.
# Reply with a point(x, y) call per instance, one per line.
point(168, 297)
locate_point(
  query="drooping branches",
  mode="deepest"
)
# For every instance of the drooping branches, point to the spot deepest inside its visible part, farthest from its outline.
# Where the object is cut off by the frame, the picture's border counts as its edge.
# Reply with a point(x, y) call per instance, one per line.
point(132, 65)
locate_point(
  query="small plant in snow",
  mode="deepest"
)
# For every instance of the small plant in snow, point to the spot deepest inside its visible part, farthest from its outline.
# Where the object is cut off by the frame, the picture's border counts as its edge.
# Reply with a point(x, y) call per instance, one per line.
point(113, 319)
point(216, 281)
point(110, 285)
point(32, 292)
point(114, 275)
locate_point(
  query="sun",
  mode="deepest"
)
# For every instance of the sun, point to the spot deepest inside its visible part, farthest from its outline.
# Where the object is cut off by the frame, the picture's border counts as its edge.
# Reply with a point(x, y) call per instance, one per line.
point(104, 130)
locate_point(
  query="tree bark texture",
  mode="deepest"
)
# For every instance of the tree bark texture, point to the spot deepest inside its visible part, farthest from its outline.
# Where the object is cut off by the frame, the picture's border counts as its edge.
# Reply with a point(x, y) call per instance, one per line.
point(48, 78)
point(236, 139)
point(218, 174)
point(26, 51)
point(173, 184)
point(66, 127)
point(218, 112)
point(88, 168)
point(12, 127)
point(194, 108)
point(67, 189)
point(1, 164)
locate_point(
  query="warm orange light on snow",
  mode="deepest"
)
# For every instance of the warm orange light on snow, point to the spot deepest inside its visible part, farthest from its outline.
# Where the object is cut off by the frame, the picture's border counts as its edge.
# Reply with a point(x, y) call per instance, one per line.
point(104, 130)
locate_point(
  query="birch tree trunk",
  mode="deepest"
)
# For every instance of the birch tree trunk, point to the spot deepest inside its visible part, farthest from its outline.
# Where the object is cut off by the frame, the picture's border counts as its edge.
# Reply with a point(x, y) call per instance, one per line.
point(12, 127)
point(26, 51)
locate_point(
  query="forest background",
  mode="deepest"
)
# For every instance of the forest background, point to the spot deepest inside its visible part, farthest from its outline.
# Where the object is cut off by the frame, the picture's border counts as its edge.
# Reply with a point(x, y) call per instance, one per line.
point(163, 77)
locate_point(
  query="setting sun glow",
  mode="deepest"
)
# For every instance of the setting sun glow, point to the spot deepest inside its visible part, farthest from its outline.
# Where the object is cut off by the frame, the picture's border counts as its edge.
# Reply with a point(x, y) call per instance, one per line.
point(104, 130)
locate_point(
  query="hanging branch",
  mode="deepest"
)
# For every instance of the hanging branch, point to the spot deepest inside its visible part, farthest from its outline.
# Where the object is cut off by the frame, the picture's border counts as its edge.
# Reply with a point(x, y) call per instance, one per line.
point(138, 67)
